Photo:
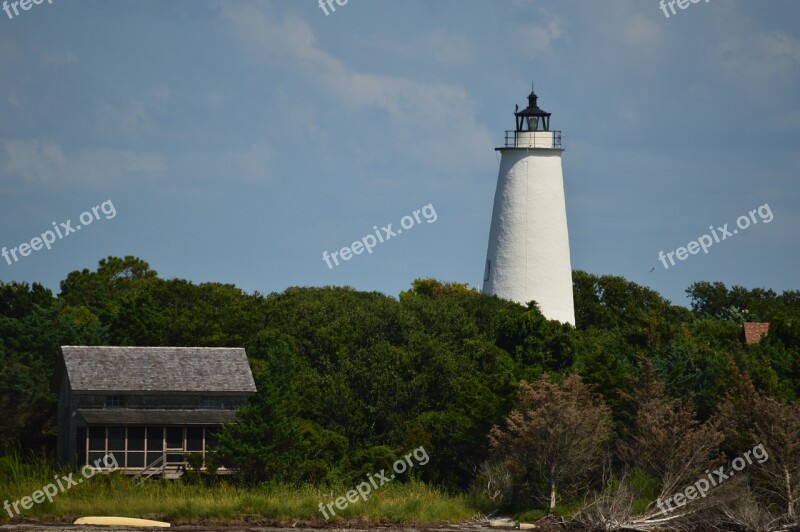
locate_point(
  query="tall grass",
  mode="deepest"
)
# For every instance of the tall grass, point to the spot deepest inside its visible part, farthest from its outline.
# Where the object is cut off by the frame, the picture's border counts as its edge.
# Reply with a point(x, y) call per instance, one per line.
point(176, 501)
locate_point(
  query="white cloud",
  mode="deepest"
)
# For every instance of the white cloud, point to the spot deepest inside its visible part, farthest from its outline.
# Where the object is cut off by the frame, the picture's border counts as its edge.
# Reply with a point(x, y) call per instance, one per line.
point(639, 30)
point(449, 49)
point(160, 94)
point(44, 164)
point(59, 58)
point(220, 166)
point(781, 46)
point(10, 51)
point(252, 163)
point(438, 47)
point(538, 39)
point(759, 60)
point(129, 119)
point(423, 115)
point(214, 98)
point(134, 117)
point(12, 97)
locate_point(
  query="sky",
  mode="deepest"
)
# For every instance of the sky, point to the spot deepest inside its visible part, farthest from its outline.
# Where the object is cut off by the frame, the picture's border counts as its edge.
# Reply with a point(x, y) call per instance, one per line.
point(236, 141)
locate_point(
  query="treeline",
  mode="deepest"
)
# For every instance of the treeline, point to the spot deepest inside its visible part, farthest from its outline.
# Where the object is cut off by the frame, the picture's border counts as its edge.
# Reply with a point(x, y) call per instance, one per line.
point(348, 380)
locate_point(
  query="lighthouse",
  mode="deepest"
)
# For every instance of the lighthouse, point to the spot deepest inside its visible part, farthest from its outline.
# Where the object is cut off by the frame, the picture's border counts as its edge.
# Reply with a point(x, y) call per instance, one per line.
point(528, 255)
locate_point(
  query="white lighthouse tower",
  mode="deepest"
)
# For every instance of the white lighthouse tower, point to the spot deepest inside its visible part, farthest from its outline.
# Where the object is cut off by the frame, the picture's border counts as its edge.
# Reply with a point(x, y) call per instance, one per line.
point(528, 255)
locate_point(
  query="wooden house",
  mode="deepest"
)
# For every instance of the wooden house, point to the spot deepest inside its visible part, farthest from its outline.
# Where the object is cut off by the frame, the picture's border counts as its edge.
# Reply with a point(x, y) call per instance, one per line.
point(148, 406)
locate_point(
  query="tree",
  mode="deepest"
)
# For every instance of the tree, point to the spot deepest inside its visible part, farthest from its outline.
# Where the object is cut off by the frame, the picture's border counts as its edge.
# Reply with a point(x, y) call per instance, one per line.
point(265, 443)
point(739, 303)
point(114, 277)
point(538, 344)
point(434, 288)
point(556, 431)
point(18, 300)
point(603, 362)
point(29, 348)
point(698, 372)
point(667, 441)
point(751, 419)
point(612, 302)
point(778, 429)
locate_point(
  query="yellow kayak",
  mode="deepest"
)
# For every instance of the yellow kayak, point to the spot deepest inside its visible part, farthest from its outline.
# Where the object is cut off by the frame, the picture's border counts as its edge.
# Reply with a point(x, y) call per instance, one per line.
point(118, 521)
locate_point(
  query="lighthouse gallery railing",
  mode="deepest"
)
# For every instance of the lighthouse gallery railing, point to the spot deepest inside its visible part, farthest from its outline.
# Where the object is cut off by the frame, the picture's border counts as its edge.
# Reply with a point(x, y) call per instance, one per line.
point(543, 139)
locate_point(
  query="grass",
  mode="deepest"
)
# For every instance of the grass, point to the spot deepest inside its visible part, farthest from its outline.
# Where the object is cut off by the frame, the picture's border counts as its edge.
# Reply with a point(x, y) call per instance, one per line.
point(179, 502)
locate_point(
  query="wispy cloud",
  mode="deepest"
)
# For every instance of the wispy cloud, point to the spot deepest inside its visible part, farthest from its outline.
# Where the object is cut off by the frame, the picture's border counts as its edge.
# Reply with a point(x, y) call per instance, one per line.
point(760, 59)
point(129, 119)
point(252, 163)
point(45, 165)
point(59, 58)
point(640, 30)
point(423, 115)
point(538, 38)
point(445, 48)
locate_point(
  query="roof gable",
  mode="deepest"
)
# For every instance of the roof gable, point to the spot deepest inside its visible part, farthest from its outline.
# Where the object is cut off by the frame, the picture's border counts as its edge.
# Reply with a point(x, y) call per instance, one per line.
point(158, 369)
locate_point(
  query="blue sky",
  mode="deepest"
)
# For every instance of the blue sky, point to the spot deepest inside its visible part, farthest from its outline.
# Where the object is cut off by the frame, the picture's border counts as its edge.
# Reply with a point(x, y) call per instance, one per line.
point(238, 140)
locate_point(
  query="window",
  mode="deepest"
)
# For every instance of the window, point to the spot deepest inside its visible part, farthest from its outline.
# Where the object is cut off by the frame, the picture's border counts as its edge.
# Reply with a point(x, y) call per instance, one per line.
point(115, 401)
point(212, 401)
point(488, 269)
point(236, 402)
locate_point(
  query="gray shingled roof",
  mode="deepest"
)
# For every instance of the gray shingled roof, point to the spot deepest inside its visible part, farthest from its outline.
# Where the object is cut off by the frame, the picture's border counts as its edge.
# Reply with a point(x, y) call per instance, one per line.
point(158, 369)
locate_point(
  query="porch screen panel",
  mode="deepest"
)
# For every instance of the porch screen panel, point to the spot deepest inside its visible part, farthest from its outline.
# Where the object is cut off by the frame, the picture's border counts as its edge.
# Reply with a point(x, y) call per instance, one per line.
point(116, 445)
point(116, 438)
point(135, 456)
point(155, 443)
point(194, 439)
point(97, 444)
point(81, 447)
